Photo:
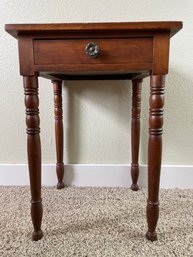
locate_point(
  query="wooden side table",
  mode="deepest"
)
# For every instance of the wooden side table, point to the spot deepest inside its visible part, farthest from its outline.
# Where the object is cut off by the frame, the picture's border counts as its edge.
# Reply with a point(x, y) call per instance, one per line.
point(59, 52)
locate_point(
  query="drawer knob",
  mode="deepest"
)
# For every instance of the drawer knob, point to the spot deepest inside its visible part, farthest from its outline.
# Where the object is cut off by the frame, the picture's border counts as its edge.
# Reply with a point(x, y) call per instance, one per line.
point(92, 50)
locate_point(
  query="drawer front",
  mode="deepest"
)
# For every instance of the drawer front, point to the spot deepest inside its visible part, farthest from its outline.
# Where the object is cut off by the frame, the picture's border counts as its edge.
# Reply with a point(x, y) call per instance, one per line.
point(112, 51)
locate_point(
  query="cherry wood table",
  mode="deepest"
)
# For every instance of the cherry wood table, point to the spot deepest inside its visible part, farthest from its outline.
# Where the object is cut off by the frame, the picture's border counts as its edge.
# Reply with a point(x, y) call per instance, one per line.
point(129, 51)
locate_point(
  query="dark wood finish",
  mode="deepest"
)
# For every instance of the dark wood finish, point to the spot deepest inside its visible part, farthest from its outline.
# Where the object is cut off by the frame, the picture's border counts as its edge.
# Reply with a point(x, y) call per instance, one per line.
point(132, 27)
point(25, 44)
point(129, 76)
point(161, 53)
point(57, 86)
point(132, 51)
point(135, 131)
point(97, 69)
point(30, 34)
point(34, 151)
point(156, 103)
point(112, 51)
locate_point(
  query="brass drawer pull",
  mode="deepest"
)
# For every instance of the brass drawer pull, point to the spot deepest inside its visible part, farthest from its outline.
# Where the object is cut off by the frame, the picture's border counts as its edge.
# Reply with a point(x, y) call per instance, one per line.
point(92, 50)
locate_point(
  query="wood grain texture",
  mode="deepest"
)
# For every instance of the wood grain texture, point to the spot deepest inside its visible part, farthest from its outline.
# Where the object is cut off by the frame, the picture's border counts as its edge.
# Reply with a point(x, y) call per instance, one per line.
point(130, 50)
point(112, 51)
point(26, 58)
point(126, 48)
point(135, 131)
point(34, 152)
point(161, 53)
point(171, 26)
point(96, 69)
point(57, 87)
point(156, 104)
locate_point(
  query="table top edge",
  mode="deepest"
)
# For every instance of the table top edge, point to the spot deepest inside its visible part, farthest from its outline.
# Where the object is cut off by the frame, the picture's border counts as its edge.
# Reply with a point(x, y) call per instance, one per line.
point(172, 26)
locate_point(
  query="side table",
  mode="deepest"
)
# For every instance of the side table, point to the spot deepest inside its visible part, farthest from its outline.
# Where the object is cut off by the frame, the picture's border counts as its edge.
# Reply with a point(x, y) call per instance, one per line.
point(130, 50)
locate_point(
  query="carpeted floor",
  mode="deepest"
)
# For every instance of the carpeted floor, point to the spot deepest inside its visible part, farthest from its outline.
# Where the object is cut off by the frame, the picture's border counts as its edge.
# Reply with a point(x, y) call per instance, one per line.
point(95, 222)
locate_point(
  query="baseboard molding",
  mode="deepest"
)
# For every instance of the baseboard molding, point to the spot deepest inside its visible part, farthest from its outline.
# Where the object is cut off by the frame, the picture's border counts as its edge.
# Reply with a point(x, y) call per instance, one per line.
point(102, 175)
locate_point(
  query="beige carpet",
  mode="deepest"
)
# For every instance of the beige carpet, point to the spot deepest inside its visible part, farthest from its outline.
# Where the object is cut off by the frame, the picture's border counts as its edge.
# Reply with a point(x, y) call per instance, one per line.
point(89, 222)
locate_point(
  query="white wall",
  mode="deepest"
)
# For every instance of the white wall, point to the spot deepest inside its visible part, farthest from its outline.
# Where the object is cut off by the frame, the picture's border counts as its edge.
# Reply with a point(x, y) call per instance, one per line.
point(98, 120)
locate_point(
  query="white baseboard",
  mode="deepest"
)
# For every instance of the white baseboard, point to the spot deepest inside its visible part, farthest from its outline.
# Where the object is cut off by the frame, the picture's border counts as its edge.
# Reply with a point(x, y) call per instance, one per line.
point(106, 175)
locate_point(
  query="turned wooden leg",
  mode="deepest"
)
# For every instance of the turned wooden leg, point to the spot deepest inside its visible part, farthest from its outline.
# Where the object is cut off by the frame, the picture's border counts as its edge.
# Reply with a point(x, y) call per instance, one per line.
point(34, 152)
point(156, 103)
point(57, 85)
point(135, 131)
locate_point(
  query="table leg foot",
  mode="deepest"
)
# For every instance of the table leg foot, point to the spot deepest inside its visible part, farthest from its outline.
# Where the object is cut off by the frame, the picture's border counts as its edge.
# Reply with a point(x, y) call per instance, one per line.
point(60, 175)
point(37, 235)
point(134, 187)
point(60, 185)
point(134, 175)
point(151, 236)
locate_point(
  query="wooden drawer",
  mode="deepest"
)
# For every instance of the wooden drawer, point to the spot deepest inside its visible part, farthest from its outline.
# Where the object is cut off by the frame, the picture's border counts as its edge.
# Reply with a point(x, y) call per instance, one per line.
point(112, 51)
